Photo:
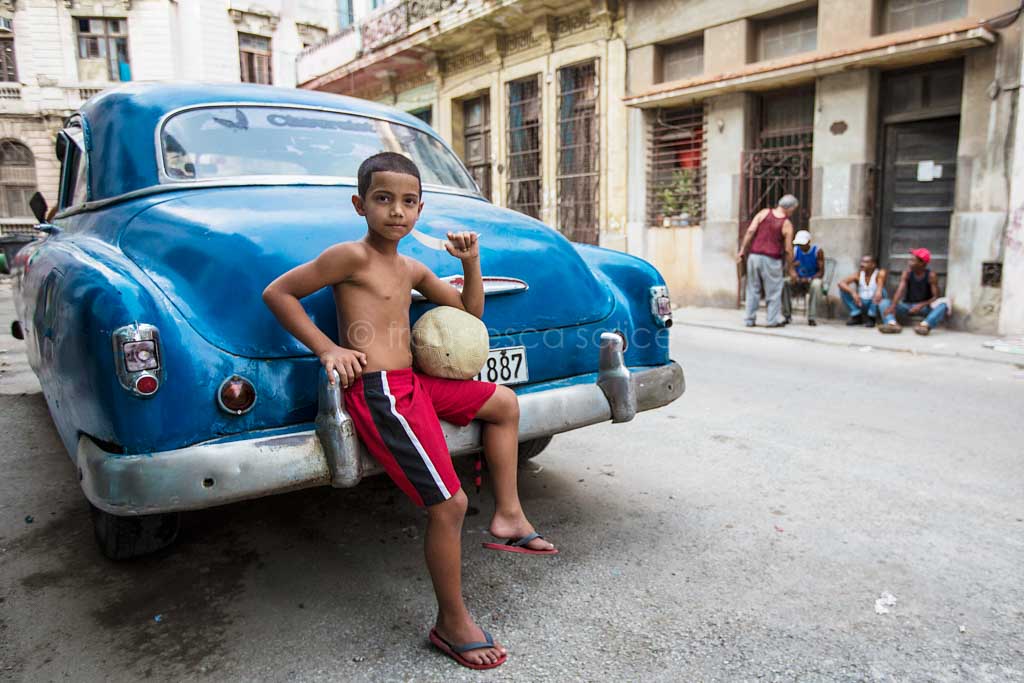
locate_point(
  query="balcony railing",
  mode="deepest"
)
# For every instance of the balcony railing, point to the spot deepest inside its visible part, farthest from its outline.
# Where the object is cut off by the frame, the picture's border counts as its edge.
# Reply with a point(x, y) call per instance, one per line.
point(10, 91)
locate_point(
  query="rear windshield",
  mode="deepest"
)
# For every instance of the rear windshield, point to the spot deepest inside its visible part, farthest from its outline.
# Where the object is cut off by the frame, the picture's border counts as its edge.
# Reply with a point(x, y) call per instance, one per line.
point(232, 142)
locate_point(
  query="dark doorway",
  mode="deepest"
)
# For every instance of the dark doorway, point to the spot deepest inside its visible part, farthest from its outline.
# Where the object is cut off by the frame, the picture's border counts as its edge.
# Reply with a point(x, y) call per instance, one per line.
point(780, 161)
point(476, 141)
point(921, 126)
point(918, 184)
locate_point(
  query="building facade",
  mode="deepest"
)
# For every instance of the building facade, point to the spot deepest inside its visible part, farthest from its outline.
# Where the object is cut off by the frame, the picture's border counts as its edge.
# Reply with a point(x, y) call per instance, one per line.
point(530, 97)
point(891, 120)
point(58, 53)
point(660, 127)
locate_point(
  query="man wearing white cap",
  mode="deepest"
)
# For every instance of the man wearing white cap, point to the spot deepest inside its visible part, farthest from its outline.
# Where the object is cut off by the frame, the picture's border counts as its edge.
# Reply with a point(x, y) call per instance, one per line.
point(805, 276)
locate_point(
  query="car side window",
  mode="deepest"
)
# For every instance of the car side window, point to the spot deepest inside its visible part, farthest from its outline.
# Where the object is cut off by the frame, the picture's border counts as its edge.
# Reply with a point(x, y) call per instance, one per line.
point(74, 169)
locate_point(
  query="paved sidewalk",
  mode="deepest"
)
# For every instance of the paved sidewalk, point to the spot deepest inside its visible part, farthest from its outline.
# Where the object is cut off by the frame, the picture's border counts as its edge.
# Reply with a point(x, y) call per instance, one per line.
point(941, 342)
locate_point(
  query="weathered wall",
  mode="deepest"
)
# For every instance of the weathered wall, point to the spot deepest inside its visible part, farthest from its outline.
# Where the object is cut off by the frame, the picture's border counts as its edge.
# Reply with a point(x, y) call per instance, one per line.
point(1011, 313)
point(982, 191)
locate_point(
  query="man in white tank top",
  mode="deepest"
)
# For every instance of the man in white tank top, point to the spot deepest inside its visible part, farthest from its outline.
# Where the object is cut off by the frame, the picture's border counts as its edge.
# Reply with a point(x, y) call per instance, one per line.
point(863, 292)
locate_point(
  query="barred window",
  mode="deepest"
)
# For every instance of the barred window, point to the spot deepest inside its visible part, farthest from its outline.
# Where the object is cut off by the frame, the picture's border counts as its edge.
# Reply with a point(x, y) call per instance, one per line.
point(676, 170)
point(788, 35)
point(8, 65)
point(900, 15)
point(524, 170)
point(682, 60)
point(579, 146)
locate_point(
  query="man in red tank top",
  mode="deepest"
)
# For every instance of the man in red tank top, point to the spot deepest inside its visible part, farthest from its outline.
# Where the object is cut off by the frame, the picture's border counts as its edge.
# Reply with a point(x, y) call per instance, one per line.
point(769, 240)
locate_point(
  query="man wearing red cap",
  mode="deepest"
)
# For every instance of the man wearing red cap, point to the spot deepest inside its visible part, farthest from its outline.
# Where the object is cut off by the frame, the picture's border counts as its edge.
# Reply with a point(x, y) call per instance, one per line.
point(917, 293)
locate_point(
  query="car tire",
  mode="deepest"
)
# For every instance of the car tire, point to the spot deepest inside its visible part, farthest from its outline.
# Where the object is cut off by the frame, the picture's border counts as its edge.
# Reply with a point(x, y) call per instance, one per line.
point(533, 447)
point(122, 538)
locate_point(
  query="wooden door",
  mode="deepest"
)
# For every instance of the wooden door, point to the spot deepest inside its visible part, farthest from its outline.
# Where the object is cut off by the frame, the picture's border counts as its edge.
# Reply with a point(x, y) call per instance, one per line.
point(918, 182)
point(476, 141)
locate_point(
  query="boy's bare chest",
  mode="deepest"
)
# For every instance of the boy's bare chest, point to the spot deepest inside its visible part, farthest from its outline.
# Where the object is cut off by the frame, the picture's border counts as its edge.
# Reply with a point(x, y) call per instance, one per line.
point(378, 287)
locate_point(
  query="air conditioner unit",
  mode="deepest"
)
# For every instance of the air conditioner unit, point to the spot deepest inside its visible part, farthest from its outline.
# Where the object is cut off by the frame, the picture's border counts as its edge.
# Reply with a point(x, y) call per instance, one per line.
point(6, 25)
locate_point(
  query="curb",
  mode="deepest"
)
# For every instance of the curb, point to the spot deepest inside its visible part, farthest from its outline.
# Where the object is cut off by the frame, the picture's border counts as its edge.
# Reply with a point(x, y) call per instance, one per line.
point(1019, 364)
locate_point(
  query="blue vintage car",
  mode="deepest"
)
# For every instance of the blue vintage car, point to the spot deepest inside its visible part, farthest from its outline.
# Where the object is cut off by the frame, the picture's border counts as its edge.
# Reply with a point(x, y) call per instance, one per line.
point(173, 387)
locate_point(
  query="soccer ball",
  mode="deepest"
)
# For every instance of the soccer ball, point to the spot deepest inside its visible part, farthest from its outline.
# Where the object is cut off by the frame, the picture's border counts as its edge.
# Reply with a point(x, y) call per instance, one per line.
point(450, 343)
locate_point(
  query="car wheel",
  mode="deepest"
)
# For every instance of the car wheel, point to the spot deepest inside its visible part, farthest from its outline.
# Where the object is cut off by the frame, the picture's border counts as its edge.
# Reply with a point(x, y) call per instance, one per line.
point(122, 538)
point(533, 447)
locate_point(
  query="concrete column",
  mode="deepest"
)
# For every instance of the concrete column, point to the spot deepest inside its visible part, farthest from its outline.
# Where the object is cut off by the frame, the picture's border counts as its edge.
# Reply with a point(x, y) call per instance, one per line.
point(727, 46)
point(979, 223)
point(842, 23)
point(1011, 313)
point(845, 124)
point(726, 139)
point(636, 194)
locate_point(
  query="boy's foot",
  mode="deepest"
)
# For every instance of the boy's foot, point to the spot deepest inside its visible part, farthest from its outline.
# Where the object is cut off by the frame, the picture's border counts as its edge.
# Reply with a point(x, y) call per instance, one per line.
point(470, 646)
point(517, 528)
point(854, 320)
point(890, 328)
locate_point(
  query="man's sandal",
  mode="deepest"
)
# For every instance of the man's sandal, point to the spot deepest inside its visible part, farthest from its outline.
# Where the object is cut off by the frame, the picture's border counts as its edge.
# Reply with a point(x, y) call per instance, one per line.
point(455, 651)
point(518, 545)
point(922, 329)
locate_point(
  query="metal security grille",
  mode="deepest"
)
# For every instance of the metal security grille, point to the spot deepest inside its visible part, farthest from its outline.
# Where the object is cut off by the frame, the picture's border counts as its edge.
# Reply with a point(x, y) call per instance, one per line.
point(676, 168)
point(578, 153)
point(524, 171)
point(787, 119)
point(17, 179)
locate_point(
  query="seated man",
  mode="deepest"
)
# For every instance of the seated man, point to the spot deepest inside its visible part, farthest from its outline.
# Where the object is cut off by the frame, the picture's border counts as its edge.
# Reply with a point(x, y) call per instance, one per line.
point(804, 277)
point(918, 293)
point(863, 292)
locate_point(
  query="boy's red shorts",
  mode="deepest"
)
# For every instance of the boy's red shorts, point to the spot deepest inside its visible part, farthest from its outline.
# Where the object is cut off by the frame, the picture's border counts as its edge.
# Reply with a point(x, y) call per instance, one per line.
point(396, 417)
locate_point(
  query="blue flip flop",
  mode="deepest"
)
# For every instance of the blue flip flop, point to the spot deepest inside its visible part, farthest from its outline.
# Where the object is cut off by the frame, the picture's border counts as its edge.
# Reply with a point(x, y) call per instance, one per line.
point(455, 651)
point(518, 545)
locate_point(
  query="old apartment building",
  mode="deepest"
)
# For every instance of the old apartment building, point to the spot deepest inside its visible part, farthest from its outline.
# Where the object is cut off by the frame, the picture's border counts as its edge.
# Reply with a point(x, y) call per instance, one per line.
point(55, 54)
point(660, 126)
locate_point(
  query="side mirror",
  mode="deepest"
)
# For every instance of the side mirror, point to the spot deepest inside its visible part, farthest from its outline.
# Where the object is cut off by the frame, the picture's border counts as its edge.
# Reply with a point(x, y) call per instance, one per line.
point(38, 205)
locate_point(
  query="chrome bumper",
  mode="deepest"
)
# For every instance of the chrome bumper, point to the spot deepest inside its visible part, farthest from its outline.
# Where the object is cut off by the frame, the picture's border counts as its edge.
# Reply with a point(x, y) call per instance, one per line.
point(206, 475)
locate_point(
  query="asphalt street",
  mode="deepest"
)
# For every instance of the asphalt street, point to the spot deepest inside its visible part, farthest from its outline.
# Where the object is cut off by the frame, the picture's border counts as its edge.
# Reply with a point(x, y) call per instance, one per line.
point(743, 533)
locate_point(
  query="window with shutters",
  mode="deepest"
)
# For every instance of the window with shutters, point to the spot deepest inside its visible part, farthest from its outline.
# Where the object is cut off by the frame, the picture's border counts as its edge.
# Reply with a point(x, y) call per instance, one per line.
point(524, 132)
point(682, 60)
point(8, 67)
point(789, 34)
point(103, 50)
point(17, 179)
point(675, 172)
point(900, 15)
point(254, 55)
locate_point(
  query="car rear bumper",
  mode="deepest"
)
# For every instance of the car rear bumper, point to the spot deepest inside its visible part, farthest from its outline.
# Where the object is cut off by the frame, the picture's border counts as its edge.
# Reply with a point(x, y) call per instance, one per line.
point(206, 475)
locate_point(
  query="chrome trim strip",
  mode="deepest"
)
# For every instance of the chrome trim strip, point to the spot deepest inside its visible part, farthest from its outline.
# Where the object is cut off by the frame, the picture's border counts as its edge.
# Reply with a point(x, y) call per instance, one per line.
point(210, 474)
point(494, 285)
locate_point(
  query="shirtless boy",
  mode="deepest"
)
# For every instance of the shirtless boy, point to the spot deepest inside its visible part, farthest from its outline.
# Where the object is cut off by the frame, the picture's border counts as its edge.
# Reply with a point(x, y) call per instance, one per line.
point(396, 410)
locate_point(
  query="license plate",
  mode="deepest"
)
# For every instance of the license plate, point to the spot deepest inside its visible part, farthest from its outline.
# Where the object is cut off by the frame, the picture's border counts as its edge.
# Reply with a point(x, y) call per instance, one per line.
point(505, 366)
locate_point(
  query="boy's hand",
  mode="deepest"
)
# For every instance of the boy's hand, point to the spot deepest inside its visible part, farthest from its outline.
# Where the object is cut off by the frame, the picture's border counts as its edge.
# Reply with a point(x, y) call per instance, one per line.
point(347, 362)
point(463, 245)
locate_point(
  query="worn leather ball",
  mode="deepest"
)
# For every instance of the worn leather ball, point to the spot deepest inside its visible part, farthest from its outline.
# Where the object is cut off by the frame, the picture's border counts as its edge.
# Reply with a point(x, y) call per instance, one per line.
point(449, 343)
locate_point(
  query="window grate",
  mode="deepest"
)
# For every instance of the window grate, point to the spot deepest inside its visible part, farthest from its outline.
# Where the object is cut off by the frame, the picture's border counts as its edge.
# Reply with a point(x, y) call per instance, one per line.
point(524, 130)
point(254, 55)
point(579, 146)
point(676, 167)
point(17, 179)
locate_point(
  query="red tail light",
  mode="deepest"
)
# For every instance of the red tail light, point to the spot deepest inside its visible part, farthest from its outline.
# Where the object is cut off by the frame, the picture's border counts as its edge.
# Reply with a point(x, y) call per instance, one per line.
point(236, 395)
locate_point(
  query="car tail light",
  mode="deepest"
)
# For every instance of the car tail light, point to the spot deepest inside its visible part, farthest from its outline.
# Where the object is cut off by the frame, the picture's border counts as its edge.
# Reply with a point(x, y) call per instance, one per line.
point(137, 358)
point(147, 385)
point(661, 305)
point(236, 395)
